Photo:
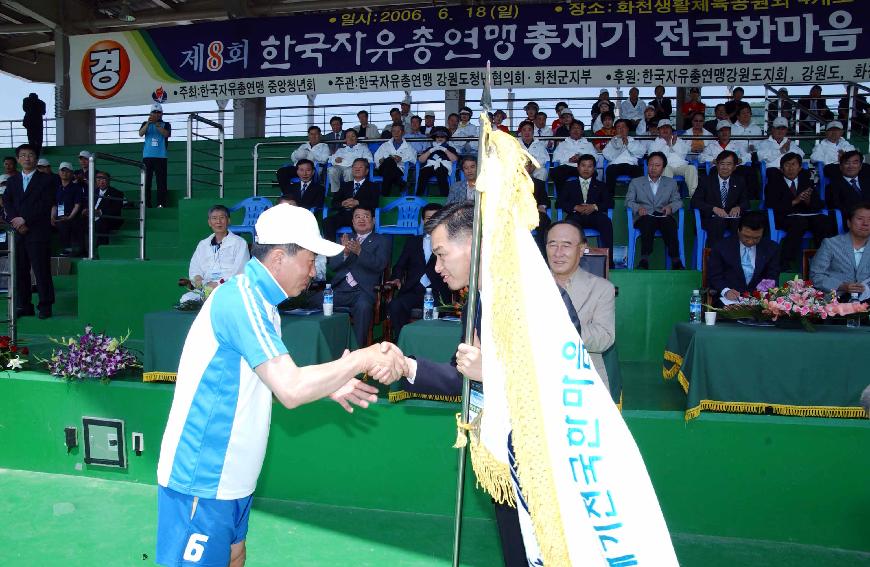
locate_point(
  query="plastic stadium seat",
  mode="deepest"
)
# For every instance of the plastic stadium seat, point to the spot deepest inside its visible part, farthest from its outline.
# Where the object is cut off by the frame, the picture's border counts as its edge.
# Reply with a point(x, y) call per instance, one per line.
point(589, 232)
point(378, 179)
point(451, 178)
point(777, 235)
point(254, 207)
point(408, 209)
point(634, 234)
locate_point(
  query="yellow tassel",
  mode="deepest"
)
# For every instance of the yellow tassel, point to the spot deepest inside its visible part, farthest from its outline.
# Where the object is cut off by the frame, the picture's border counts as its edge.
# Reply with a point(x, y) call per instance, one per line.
point(400, 395)
point(778, 409)
point(159, 377)
point(461, 435)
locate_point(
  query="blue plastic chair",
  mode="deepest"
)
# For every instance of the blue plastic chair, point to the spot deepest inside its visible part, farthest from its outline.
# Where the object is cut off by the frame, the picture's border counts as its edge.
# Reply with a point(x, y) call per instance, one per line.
point(777, 235)
point(408, 223)
point(634, 234)
point(823, 180)
point(838, 215)
point(701, 240)
point(451, 178)
point(254, 207)
point(589, 232)
point(625, 179)
point(379, 179)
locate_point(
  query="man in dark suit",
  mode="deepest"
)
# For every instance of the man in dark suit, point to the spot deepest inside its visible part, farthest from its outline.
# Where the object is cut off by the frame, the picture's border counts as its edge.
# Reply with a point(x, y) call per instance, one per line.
point(586, 201)
point(28, 200)
point(335, 137)
point(811, 106)
point(307, 193)
point(739, 263)
point(358, 270)
point(108, 203)
point(358, 192)
point(662, 104)
point(797, 208)
point(413, 273)
point(721, 198)
point(851, 186)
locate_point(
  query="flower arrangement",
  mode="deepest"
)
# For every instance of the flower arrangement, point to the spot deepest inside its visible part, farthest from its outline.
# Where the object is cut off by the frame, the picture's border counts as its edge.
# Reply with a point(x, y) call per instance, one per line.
point(11, 353)
point(90, 355)
point(460, 298)
point(796, 299)
point(200, 291)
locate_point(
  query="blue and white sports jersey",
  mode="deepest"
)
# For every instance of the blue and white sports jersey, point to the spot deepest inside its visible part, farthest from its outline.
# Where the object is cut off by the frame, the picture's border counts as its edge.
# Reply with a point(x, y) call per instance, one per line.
point(215, 438)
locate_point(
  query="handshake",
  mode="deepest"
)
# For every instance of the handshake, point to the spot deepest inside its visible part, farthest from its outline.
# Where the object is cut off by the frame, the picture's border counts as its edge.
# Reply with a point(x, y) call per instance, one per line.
point(383, 362)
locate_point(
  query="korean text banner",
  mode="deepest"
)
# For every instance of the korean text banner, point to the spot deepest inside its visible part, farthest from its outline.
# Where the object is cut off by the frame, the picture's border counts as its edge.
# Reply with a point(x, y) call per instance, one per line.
point(586, 43)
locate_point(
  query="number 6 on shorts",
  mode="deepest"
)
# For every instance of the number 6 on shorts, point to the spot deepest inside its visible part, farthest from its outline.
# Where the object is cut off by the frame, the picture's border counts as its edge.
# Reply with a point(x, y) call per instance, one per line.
point(194, 550)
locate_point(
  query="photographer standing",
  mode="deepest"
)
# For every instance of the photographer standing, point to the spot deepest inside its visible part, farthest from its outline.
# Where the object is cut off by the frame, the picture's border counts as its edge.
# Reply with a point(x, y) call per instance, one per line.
point(156, 133)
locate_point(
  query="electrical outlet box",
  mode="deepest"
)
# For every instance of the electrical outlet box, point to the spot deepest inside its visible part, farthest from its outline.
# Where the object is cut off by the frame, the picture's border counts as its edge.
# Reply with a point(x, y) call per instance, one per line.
point(104, 442)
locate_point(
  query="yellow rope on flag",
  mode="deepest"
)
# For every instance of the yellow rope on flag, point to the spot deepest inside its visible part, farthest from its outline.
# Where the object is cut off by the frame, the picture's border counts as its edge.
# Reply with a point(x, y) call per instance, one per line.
point(159, 377)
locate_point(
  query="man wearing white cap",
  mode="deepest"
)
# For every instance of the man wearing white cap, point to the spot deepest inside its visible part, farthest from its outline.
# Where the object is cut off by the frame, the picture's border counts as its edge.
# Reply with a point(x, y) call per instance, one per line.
point(829, 150)
point(65, 214)
point(675, 149)
point(233, 361)
point(771, 150)
point(82, 172)
point(156, 133)
point(405, 112)
point(724, 142)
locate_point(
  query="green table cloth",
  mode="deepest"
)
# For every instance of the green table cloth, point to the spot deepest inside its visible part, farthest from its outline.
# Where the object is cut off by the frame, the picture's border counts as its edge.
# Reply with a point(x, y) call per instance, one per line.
point(735, 368)
point(310, 339)
point(437, 341)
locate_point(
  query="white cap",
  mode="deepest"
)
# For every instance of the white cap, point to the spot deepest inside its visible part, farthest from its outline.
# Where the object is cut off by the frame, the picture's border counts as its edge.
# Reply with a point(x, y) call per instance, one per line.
point(286, 224)
point(602, 91)
point(156, 107)
point(85, 154)
point(779, 122)
point(665, 122)
point(43, 162)
point(65, 165)
point(723, 124)
point(407, 99)
point(834, 124)
point(429, 113)
point(3, 178)
point(566, 110)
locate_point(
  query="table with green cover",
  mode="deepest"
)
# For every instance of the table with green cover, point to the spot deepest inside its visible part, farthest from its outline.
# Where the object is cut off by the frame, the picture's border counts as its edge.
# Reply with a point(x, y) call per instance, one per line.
point(731, 367)
point(310, 339)
point(437, 340)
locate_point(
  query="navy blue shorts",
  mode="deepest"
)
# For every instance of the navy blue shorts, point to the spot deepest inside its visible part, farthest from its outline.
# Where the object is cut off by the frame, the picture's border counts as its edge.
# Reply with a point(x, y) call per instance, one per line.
point(198, 531)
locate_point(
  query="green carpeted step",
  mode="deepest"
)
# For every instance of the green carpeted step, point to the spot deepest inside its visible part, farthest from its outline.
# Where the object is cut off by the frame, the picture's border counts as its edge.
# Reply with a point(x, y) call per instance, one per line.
point(118, 251)
point(168, 253)
point(57, 326)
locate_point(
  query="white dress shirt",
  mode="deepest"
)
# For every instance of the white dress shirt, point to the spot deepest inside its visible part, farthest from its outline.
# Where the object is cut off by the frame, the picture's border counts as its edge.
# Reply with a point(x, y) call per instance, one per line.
point(570, 147)
point(213, 263)
point(350, 153)
point(318, 154)
point(675, 153)
point(467, 130)
point(388, 149)
point(828, 153)
point(632, 111)
point(713, 149)
point(750, 130)
point(538, 148)
point(770, 151)
point(616, 152)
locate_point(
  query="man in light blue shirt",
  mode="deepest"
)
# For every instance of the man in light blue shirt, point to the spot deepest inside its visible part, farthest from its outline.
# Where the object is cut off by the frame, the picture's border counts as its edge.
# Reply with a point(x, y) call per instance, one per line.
point(156, 133)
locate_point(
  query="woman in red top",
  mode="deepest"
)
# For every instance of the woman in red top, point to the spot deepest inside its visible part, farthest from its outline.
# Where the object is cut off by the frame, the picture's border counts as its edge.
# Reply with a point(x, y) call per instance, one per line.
point(607, 131)
point(497, 117)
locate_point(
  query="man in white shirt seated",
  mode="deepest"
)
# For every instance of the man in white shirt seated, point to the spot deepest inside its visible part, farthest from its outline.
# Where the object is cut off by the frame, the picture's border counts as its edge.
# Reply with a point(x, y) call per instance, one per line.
point(343, 158)
point(465, 129)
point(568, 154)
point(390, 159)
point(771, 150)
point(218, 257)
point(829, 150)
point(313, 150)
point(416, 133)
point(745, 127)
point(542, 129)
point(722, 143)
point(622, 151)
point(365, 129)
point(675, 149)
point(538, 149)
point(632, 108)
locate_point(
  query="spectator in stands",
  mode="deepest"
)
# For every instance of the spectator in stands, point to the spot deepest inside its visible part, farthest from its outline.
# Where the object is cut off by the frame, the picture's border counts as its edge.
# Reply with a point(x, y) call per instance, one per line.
point(829, 150)
point(598, 121)
point(44, 166)
point(466, 129)
point(437, 162)
point(395, 118)
point(662, 104)
point(593, 297)
point(587, 200)
point(812, 109)
point(696, 128)
point(654, 199)
point(66, 212)
point(622, 152)
point(604, 134)
point(405, 112)
point(10, 166)
point(343, 159)
point(452, 123)
point(721, 198)
point(850, 185)
point(365, 129)
point(497, 118)
point(842, 263)
point(34, 110)
point(416, 133)
point(28, 200)
point(358, 270)
point(335, 137)
point(675, 150)
point(797, 208)
point(413, 272)
point(693, 105)
point(776, 146)
point(649, 120)
point(860, 113)
point(542, 130)
point(428, 121)
point(733, 104)
point(542, 200)
point(603, 104)
point(558, 123)
point(217, 257)
point(463, 190)
point(306, 192)
point(155, 152)
point(632, 109)
point(568, 154)
point(358, 192)
point(653, 131)
point(721, 113)
point(781, 106)
point(108, 203)
point(566, 118)
point(722, 143)
point(390, 159)
point(531, 109)
point(737, 264)
point(82, 173)
point(538, 149)
point(745, 127)
point(312, 151)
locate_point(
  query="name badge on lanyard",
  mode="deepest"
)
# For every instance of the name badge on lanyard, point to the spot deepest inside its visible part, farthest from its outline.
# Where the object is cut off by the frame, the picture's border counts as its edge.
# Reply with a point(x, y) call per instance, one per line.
point(475, 400)
point(60, 210)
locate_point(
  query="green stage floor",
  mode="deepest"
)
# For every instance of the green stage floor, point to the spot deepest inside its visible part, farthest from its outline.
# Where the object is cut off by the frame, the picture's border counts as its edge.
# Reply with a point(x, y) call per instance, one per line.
point(60, 520)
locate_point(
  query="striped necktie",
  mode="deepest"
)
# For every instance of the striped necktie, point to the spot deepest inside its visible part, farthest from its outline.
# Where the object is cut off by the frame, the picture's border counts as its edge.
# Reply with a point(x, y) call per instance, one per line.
point(723, 191)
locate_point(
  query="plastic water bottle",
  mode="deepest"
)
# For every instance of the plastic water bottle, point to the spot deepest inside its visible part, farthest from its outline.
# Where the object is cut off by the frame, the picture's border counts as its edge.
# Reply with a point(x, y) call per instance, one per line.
point(327, 300)
point(853, 321)
point(695, 307)
point(428, 305)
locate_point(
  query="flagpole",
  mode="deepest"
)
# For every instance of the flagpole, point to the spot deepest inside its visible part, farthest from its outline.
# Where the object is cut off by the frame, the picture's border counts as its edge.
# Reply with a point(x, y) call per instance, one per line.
point(471, 316)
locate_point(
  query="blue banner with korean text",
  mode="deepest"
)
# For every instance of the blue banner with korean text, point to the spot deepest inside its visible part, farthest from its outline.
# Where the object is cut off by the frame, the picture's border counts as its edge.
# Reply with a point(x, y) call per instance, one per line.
point(584, 43)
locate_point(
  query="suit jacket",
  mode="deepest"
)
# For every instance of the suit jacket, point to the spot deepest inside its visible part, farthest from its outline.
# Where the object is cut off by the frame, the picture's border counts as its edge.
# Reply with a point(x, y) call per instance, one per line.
point(368, 195)
point(724, 269)
point(314, 195)
point(804, 106)
point(458, 192)
point(708, 195)
point(572, 195)
point(109, 206)
point(411, 266)
point(841, 195)
point(333, 139)
point(778, 196)
point(367, 268)
point(663, 109)
point(33, 205)
point(594, 299)
point(834, 263)
point(640, 195)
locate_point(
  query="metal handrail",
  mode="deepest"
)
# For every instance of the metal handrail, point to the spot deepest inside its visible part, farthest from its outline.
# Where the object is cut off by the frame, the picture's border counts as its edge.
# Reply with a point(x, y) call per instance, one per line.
point(12, 321)
point(92, 188)
point(220, 155)
point(768, 88)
